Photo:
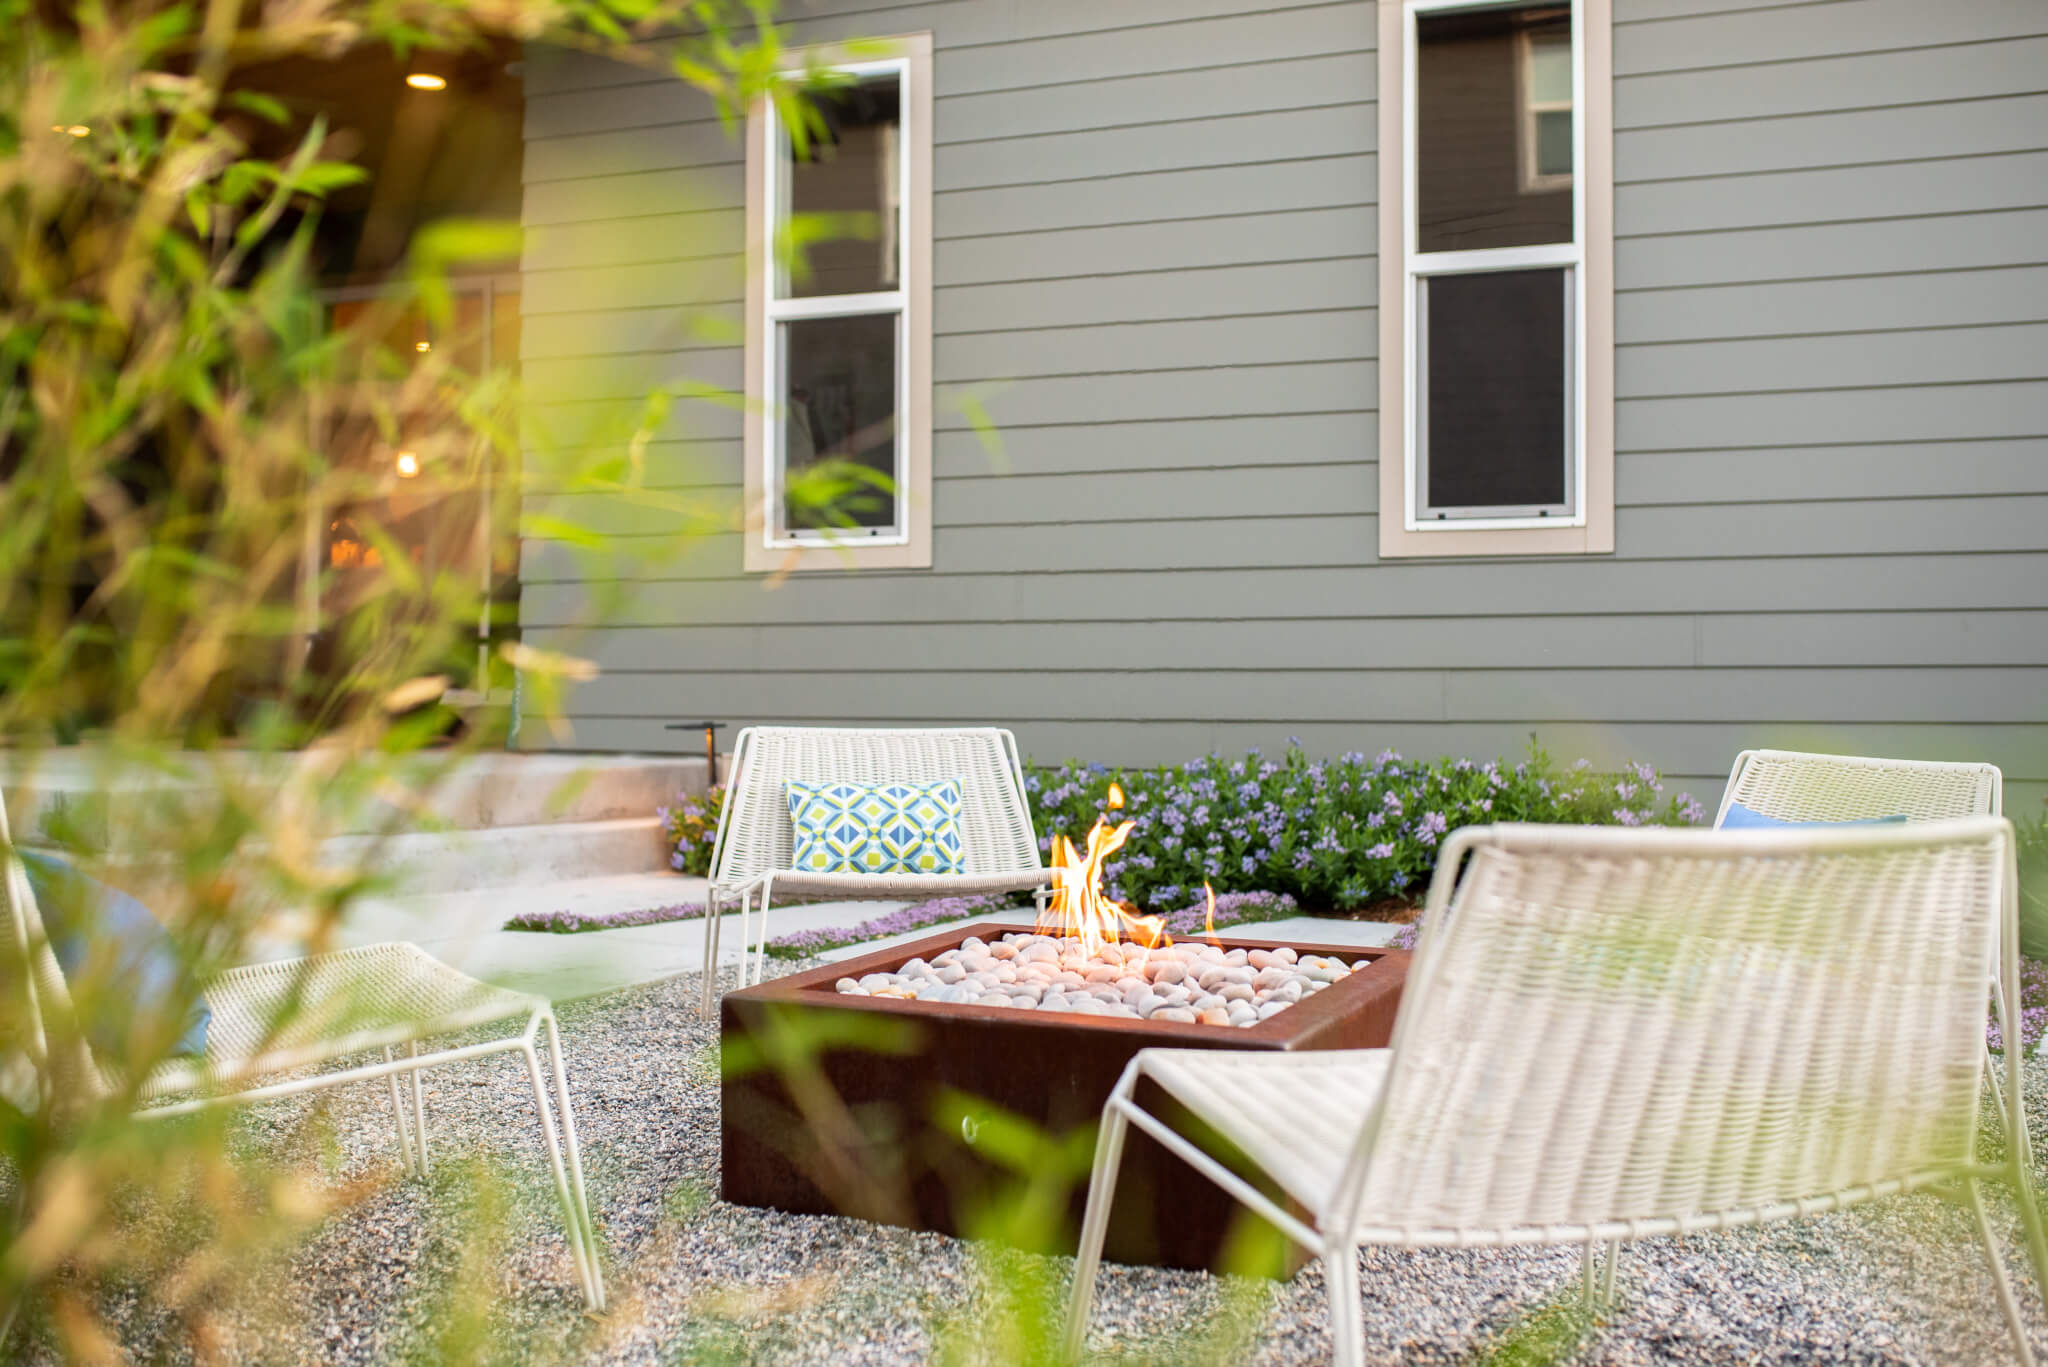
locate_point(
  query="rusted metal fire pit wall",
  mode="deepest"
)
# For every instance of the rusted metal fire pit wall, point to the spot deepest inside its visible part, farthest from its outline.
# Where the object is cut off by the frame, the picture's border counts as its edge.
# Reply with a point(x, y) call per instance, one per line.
point(1055, 1068)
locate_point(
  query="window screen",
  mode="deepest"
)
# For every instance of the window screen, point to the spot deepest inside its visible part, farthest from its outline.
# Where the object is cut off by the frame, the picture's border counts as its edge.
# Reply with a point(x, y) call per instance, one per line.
point(1495, 430)
point(839, 424)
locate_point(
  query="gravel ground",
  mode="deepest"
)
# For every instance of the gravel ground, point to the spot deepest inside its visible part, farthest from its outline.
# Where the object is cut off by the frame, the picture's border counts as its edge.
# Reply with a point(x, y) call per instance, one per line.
point(694, 1280)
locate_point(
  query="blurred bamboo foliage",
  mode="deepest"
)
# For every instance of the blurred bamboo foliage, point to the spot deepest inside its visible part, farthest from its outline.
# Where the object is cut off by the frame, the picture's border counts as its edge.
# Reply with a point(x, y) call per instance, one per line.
point(180, 405)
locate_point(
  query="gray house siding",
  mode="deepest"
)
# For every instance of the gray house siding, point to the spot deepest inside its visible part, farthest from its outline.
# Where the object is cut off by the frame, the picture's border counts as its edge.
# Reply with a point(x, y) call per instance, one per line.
point(1155, 266)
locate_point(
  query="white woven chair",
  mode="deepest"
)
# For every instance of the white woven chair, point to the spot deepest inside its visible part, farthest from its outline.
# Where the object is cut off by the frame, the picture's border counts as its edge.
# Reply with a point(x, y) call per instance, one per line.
point(751, 854)
point(297, 1014)
point(1795, 785)
point(1792, 785)
point(1610, 1034)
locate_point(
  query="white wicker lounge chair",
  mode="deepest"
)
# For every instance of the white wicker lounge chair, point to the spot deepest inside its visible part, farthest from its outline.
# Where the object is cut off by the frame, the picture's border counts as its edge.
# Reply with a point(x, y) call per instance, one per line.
point(755, 843)
point(1610, 1034)
point(1793, 785)
point(273, 1018)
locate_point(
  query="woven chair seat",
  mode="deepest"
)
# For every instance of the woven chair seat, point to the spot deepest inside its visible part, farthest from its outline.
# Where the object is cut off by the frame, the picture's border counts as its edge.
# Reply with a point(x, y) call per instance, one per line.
point(299, 1012)
point(915, 886)
point(1296, 1115)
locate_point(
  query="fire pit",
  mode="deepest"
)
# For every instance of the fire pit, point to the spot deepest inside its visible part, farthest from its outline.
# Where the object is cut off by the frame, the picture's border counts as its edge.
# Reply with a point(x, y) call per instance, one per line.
point(1055, 1068)
point(877, 1087)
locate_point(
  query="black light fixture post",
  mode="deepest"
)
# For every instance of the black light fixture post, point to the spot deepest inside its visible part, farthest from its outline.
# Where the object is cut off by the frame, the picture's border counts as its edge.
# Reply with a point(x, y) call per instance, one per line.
point(711, 730)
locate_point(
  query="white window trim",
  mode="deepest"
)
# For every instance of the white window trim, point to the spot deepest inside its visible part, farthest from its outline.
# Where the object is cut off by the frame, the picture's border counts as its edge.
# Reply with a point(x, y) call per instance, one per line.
point(910, 544)
point(1527, 109)
point(1590, 527)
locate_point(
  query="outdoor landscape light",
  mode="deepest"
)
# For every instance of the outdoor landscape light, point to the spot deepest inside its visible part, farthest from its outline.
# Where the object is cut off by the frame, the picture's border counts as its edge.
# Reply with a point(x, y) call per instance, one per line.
point(426, 80)
point(408, 464)
point(422, 346)
point(76, 130)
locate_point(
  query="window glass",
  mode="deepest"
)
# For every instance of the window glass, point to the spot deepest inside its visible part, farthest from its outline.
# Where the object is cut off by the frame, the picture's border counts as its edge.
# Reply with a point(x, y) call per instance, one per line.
point(1495, 425)
point(842, 193)
point(839, 420)
point(1493, 128)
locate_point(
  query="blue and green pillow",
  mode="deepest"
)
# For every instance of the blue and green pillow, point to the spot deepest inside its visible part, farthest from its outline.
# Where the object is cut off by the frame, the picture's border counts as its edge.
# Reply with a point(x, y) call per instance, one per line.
point(846, 827)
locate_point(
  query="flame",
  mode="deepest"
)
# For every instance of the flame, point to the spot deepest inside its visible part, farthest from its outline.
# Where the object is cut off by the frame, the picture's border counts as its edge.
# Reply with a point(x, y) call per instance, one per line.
point(1209, 919)
point(1078, 907)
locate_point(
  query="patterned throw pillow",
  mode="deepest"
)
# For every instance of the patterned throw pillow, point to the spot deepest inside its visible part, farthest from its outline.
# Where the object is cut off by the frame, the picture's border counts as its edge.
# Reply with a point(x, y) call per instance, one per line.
point(876, 827)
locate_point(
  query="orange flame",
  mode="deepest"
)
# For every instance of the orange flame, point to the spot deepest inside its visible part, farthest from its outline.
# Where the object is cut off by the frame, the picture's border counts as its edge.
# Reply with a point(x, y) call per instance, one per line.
point(1209, 920)
point(1079, 909)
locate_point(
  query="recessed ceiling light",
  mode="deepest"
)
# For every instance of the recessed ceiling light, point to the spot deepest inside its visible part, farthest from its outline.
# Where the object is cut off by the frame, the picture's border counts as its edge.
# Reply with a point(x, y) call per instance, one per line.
point(426, 80)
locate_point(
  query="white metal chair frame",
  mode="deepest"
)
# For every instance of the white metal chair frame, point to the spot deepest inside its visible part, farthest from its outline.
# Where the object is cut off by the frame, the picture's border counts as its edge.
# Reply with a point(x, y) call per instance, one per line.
point(293, 1014)
point(1609, 1034)
point(751, 853)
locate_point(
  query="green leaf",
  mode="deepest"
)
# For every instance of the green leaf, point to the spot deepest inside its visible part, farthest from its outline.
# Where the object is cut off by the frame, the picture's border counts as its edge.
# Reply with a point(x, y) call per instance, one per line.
point(323, 176)
point(264, 106)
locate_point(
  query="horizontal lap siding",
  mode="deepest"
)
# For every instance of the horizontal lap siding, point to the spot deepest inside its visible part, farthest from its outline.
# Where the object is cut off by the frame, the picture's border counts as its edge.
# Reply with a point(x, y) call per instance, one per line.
point(1155, 269)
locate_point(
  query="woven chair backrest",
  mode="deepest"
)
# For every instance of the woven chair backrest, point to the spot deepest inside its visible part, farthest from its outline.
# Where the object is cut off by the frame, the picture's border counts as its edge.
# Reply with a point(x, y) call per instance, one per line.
point(1794, 786)
point(49, 998)
point(755, 834)
point(1617, 1025)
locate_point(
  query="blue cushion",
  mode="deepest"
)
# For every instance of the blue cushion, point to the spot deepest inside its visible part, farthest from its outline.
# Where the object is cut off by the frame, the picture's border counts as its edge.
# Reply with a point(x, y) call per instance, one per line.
point(876, 827)
point(1739, 817)
point(145, 958)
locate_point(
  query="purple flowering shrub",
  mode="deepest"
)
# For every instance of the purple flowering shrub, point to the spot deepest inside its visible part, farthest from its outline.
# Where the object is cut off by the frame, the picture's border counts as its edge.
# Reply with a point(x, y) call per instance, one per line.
point(1340, 833)
point(691, 826)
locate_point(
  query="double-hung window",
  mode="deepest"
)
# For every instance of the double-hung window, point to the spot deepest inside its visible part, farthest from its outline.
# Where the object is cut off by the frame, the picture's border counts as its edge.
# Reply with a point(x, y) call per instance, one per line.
point(1496, 426)
point(838, 432)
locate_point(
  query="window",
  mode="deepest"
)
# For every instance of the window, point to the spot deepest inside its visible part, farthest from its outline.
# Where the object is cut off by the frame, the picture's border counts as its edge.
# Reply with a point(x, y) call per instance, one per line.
point(1496, 267)
point(1545, 68)
point(838, 430)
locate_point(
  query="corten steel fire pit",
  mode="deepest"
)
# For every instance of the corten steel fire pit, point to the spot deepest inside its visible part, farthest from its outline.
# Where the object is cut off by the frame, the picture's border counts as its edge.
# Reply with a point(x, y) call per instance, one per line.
point(1055, 1068)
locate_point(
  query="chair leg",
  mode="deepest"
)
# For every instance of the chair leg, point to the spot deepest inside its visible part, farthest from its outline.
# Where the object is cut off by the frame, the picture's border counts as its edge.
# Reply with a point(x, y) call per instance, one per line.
point(1347, 1310)
point(710, 989)
point(761, 952)
point(1109, 1153)
point(2023, 1352)
point(576, 1189)
point(574, 1229)
point(746, 923)
point(1598, 1263)
point(1991, 1071)
point(398, 1117)
point(2020, 1154)
point(419, 1111)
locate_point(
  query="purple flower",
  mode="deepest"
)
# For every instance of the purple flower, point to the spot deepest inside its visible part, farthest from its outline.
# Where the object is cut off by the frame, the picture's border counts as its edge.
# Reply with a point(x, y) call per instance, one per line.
point(567, 922)
point(1432, 825)
point(1383, 850)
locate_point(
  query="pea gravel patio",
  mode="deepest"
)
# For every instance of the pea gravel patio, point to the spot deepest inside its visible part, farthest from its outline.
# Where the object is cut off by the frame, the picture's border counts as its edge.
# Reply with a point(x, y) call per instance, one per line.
point(695, 1280)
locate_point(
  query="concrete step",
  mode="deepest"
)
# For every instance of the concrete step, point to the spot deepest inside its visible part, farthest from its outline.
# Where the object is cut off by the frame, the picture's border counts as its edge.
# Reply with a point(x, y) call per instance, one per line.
point(486, 791)
point(425, 862)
